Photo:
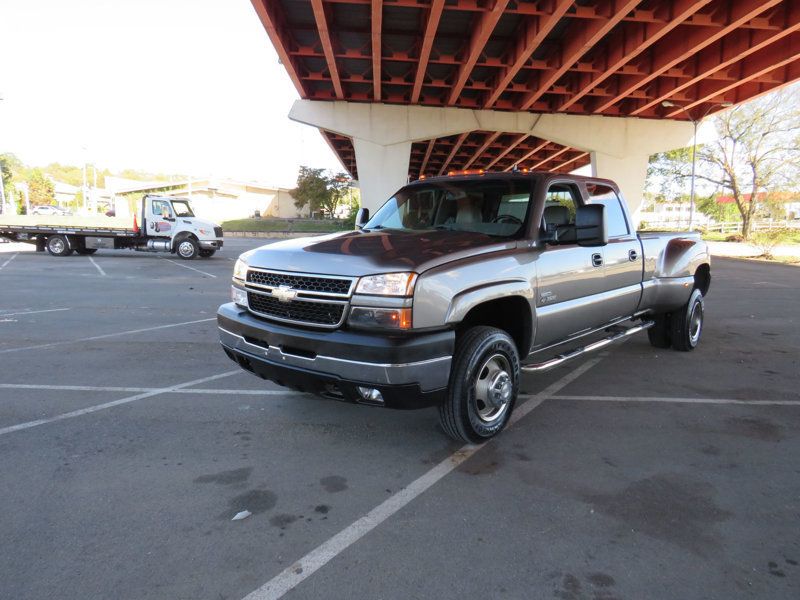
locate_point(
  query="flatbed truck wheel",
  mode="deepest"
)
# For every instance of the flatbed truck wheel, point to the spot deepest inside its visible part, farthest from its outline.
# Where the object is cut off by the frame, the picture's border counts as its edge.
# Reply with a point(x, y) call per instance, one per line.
point(483, 387)
point(57, 245)
point(187, 249)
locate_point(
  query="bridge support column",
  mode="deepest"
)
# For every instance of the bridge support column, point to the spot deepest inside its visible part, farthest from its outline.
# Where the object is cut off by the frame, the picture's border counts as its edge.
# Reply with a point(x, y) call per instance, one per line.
point(382, 135)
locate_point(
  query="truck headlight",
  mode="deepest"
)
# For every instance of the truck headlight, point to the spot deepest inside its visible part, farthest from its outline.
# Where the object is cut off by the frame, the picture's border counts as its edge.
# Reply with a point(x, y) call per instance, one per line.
point(239, 296)
point(240, 269)
point(382, 318)
point(387, 284)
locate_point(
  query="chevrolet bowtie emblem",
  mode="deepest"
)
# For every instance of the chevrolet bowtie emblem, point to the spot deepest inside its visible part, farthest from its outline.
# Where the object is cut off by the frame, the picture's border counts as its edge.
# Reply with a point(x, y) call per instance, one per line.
point(284, 293)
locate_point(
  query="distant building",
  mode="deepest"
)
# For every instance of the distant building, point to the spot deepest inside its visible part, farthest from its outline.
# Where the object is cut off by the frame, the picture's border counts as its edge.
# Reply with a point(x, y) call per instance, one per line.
point(215, 199)
point(671, 213)
point(788, 202)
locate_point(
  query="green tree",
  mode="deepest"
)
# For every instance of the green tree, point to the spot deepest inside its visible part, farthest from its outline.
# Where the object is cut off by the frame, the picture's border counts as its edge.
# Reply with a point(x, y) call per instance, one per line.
point(338, 186)
point(40, 188)
point(312, 189)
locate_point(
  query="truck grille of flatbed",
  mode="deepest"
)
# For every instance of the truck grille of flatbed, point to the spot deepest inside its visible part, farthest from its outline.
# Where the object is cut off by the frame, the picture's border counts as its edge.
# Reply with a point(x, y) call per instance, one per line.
point(319, 300)
point(218, 232)
point(297, 311)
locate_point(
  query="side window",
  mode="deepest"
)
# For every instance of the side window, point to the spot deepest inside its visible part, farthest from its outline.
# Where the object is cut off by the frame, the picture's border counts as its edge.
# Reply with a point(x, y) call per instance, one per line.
point(560, 206)
point(615, 216)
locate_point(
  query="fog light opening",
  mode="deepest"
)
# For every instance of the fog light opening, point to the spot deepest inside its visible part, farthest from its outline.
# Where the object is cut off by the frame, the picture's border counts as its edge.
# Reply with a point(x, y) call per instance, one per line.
point(370, 395)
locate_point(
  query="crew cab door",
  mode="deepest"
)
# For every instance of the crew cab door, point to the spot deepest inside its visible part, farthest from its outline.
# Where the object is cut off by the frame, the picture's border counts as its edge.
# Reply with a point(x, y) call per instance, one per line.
point(622, 256)
point(160, 217)
point(569, 278)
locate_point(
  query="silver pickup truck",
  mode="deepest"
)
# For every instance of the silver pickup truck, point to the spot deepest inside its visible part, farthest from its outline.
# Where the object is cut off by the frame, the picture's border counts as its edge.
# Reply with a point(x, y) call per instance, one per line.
point(455, 287)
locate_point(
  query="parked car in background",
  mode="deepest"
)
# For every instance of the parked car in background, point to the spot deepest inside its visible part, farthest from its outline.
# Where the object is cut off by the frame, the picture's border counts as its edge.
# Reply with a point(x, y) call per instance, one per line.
point(50, 210)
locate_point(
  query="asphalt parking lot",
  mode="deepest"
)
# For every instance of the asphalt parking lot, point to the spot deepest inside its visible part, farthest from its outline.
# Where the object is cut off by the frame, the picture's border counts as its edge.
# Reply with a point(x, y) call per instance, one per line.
point(128, 441)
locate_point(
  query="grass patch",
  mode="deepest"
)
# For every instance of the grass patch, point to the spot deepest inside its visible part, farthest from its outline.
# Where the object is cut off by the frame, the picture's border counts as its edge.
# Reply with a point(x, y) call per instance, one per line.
point(291, 225)
point(790, 236)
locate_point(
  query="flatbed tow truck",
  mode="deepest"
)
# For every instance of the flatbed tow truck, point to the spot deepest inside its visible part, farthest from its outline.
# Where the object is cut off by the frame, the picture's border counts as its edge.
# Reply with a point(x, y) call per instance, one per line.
point(167, 225)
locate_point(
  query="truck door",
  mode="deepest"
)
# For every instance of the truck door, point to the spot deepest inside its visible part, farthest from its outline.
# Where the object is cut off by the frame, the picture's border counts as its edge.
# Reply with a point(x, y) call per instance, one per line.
point(569, 277)
point(160, 218)
point(622, 256)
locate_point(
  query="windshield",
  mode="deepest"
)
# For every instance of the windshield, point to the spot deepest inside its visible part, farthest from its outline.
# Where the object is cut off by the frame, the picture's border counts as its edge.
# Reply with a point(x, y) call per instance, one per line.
point(182, 208)
point(496, 207)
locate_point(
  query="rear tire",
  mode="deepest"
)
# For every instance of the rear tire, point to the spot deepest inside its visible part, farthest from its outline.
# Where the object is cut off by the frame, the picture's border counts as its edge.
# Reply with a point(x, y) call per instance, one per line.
point(659, 334)
point(483, 387)
point(687, 323)
point(207, 253)
point(58, 245)
point(187, 248)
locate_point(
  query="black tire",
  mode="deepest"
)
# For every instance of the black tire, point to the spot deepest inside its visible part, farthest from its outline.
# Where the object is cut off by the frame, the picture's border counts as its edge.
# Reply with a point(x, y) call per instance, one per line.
point(207, 253)
point(58, 245)
point(659, 334)
point(86, 251)
point(687, 323)
point(482, 354)
point(187, 248)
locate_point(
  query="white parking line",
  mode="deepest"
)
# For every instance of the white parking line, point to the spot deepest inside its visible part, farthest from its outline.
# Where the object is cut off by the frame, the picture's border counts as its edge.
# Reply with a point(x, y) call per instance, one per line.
point(113, 403)
point(188, 267)
point(293, 575)
point(33, 312)
point(13, 256)
point(105, 336)
point(103, 273)
point(95, 388)
point(679, 400)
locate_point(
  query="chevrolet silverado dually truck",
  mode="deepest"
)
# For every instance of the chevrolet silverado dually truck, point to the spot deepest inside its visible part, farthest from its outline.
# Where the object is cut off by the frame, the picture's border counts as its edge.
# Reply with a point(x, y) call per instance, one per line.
point(455, 287)
point(167, 225)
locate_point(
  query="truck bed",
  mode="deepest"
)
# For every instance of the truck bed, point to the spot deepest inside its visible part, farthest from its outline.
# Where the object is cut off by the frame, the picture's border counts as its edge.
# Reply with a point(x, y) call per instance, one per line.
point(89, 225)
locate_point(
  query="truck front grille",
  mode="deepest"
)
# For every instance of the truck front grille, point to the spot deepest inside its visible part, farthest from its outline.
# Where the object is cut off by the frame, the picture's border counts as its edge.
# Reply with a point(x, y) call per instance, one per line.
point(328, 314)
point(305, 283)
point(300, 298)
point(218, 232)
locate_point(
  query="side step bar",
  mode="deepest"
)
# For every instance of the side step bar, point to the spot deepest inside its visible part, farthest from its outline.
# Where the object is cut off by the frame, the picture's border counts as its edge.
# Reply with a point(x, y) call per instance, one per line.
point(562, 358)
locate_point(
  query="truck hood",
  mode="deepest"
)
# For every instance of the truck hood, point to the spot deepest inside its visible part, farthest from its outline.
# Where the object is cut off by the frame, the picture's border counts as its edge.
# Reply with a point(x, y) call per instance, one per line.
point(357, 253)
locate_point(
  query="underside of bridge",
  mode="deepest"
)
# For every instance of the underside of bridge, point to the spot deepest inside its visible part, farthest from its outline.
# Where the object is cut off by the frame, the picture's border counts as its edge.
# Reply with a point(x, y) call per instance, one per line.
point(602, 58)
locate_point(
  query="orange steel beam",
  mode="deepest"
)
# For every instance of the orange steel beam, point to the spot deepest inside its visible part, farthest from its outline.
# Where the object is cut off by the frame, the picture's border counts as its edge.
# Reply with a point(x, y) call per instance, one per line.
point(427, 157)
point(273, 22)
point(533, 34)
point(669, 53)
point(483, 29)
point(450, 156)
point(503, 154)
point(726, 53)
point(432, 24)
point(551, 157)
point(620, 53)
point(377, 22)
point(327, 47)
point(580, 38)
point(538, 148)
point(748, 70)
point(479, 152)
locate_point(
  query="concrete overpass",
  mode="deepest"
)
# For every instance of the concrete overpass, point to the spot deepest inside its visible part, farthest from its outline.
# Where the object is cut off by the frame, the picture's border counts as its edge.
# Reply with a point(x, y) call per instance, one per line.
point(405, 88)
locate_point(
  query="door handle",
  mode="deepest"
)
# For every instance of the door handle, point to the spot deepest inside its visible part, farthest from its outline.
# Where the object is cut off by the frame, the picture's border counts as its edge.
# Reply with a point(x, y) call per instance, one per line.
point(632, 255)
point(597, 260)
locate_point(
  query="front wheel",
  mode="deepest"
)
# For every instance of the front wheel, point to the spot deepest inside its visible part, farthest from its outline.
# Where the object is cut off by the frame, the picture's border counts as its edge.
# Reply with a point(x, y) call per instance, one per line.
point(687, 323)
point(483, 387)
point(187, 249)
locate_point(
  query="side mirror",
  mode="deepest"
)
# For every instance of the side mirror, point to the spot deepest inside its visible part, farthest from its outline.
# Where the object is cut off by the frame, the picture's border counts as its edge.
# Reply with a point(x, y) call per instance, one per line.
point(590, 225)
point(362, 216)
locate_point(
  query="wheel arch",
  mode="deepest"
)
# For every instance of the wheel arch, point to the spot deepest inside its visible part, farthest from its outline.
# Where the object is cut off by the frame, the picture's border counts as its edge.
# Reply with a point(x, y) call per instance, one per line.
point(511, 313)
point(180, 236)
point(702, 278)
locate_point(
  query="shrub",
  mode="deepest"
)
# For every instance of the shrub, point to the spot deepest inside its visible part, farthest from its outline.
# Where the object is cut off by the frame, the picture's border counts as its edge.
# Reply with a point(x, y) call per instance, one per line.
point(736, 237)
point(765, 241)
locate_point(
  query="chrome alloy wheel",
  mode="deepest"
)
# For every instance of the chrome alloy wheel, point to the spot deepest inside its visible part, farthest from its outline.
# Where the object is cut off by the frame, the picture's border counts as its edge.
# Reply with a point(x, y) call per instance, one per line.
point(57, 245)
point(493, 388)
point(186, 249)
point(695, 323)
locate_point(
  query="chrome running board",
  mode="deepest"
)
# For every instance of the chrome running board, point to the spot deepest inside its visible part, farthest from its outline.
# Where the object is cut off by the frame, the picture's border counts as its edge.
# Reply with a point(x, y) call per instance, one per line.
point(562, 358)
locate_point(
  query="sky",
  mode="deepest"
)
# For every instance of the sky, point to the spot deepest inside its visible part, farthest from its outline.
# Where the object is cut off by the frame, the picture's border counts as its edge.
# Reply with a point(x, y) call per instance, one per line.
point(173, 86)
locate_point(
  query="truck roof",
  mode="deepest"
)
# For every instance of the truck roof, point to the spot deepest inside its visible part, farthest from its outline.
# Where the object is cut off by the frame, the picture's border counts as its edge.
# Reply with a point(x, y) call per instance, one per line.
point(476, 174)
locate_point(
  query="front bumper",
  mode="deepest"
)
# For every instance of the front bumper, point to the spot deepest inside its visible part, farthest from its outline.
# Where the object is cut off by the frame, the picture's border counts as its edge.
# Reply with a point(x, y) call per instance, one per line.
point(410, 371)
point(211, 244)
